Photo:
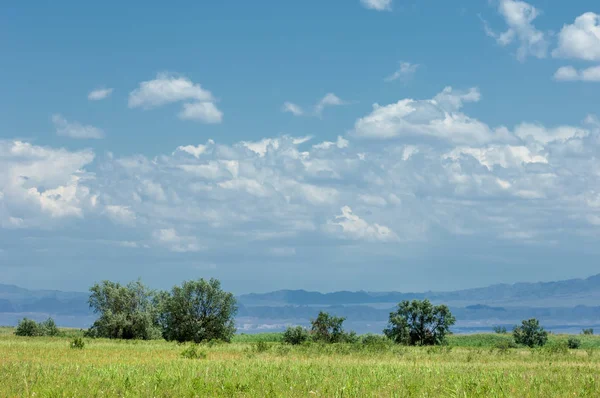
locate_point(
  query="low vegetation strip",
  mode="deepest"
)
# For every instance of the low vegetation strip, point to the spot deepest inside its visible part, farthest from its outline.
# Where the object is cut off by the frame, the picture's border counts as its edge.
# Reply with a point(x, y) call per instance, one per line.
point(258, 366)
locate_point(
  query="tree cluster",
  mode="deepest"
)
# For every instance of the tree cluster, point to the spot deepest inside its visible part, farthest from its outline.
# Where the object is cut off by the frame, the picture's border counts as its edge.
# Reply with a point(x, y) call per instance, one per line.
point(195, 311)
point(31, 328)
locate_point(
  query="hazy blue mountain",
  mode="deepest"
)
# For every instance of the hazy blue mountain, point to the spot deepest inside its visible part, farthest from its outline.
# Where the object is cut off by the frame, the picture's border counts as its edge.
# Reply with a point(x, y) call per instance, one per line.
point(562, 306)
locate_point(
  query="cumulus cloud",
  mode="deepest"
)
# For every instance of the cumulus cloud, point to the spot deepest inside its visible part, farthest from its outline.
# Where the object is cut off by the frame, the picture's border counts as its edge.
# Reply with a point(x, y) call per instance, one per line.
point(75, 130)
point(352, 226)
point(378, 5)
point(438, 117)
point(169, 88)
point(519, 17)
point(580, 40)
point(405, 73)
point(571, 74)
point(171, 239)
point(100, 94)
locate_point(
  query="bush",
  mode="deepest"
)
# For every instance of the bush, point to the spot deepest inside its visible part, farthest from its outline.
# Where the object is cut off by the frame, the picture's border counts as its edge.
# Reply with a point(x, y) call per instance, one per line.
point(530, 333)
point(261, 346)
point(505, 345)
point(588, 332)
point(295, 335)
point(77, 343)
point(192, 352)
point(573, 343)
point(500, 329)
point(560, 347)
point(28, 328)
point(48, 328)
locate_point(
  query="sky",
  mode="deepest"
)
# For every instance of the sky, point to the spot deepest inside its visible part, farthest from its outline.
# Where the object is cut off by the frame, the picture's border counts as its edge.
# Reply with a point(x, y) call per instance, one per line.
point(406, 145)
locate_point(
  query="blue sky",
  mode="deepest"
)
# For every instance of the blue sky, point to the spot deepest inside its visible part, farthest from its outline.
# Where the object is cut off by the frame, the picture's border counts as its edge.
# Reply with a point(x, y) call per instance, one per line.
point(356, 144)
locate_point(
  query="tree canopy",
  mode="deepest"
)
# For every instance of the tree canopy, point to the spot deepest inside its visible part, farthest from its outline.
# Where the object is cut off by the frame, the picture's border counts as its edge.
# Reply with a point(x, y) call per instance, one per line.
point(197, 311)
point(419, 323)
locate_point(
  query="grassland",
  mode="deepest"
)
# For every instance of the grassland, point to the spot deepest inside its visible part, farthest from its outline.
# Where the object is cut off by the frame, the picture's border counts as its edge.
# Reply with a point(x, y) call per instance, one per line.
point(469, 366)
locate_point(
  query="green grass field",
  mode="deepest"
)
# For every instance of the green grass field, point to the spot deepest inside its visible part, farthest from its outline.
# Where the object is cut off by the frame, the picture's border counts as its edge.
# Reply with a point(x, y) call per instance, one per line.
point(469, 366)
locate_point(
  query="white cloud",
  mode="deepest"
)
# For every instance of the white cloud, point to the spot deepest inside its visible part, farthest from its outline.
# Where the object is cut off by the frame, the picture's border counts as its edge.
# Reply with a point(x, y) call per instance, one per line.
point(438, 117)
point(206, 112)
point(404, 73)
point(198, 150)
point(541, 134)
point(519, 17)
point(378, 5)
point(100, 94)
point(581, 40)
point(570, 74)
point(328, 100)
point(341, 143)
point(353, 227)
point(169, 88)
point(292, 108)
point(120, 214)
point(170, 238)
point(74, 129)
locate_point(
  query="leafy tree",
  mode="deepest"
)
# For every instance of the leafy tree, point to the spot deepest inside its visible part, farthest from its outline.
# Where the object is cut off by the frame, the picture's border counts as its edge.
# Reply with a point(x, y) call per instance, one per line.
point(28, 328)
point(419, 323)
point(588, 332)
point(295, 335)
point(327, 328)
point(198, 311)
point(530, 333)
point(126, 311)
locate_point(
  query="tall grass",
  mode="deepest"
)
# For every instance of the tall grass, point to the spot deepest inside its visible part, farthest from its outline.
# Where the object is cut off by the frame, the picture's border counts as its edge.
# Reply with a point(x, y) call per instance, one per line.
point(48, 367)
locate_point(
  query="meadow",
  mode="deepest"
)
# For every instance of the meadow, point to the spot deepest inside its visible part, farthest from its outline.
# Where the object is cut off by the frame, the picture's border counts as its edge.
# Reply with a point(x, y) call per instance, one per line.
point(261, 366)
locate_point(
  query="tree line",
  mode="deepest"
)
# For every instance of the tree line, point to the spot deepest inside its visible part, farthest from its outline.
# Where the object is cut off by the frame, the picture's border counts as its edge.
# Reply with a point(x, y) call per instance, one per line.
point(200, 310)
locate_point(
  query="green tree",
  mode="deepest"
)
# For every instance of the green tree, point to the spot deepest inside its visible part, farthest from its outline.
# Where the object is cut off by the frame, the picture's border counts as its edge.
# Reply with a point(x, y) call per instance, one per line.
point(198, 311)
point(126, 311)
point(419, 323)
point(295, 335)
point(327, 328)
point(530, 333)
point(28, 328)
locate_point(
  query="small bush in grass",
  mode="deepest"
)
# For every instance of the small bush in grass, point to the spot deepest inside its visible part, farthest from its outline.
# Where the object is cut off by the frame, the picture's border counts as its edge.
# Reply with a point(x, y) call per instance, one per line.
point(28, 328)
point(560, 347)
point(192, 352)
point(261, 346)
point(573, 343)
point(295, 335)
point(77, 343)
point(587, 332)
point(505, 345)
point(530, 333)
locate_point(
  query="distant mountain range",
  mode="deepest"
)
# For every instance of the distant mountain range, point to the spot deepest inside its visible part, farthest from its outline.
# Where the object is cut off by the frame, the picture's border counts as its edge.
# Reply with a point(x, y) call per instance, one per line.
point(563, 306)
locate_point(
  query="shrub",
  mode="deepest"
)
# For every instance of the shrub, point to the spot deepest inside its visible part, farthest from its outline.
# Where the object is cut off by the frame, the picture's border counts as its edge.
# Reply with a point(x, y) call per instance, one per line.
point(560, 347)
point(295, 335)
point(500, 329)
point(48, 328)
point(261, 346)
point(573, 343)
point(77, 343)
point(192, 352)
point(505, 345)
point(419, 323)
point(530, 333)
point(28, 328)
point(588, 332)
